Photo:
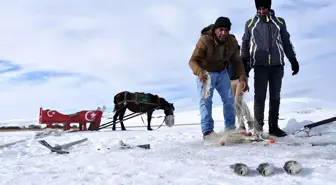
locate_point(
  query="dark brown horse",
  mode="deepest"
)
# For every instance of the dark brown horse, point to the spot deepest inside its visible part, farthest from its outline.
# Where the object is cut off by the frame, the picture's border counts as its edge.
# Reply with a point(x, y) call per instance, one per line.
point(139, 103)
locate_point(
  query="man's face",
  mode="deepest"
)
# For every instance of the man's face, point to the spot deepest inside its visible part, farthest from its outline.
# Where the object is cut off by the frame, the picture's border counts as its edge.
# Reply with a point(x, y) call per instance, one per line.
point(263, 10)
point(222, 33)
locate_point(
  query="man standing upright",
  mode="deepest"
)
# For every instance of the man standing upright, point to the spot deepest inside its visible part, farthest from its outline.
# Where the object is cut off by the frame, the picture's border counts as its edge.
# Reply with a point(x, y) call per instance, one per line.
point(214, 50)
point(264, 44)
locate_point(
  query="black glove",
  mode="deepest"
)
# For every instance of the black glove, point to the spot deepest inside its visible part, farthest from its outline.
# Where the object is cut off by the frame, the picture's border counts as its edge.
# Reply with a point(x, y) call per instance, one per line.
point(295, 65)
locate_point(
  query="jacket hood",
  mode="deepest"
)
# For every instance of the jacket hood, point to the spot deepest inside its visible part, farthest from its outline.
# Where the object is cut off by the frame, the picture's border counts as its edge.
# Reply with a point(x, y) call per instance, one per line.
point(208, 30)
point(271, 12)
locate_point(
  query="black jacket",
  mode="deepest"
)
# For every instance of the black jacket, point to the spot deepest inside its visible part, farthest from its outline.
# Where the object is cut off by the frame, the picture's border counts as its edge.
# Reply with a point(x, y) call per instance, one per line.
point(266, 41)
point(232, 69)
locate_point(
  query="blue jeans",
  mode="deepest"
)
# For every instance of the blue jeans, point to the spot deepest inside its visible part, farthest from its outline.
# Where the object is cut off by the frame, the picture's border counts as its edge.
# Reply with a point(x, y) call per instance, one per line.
point(221, 82)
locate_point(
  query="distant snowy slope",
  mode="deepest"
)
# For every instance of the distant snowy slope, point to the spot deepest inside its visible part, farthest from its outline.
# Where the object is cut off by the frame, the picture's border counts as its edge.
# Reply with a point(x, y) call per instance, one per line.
point(19, 122)
point(298, 106)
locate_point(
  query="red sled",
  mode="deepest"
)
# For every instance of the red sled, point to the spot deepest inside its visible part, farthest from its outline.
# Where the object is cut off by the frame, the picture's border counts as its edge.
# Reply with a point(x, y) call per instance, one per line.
point(50, 117)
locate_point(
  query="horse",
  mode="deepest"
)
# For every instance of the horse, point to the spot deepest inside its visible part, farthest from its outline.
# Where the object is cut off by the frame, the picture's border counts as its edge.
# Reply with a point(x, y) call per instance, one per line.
point(148, 103)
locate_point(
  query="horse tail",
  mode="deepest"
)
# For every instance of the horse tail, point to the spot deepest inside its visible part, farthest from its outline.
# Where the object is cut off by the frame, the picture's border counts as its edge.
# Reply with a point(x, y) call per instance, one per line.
point(116, 107)
point(115, 101)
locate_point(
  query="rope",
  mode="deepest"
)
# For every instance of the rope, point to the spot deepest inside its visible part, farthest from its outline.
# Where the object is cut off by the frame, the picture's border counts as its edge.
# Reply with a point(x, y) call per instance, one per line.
point(147, 122)
point(152, 125)
point(110, 123)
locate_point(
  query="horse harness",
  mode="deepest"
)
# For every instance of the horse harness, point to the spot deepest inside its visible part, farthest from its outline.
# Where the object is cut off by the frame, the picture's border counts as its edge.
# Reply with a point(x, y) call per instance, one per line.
point(140, 98)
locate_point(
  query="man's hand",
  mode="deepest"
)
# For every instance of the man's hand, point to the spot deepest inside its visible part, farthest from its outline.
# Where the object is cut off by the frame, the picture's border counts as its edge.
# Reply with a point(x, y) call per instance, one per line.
point(244, 85)
point(203, 77)
point(295, 66)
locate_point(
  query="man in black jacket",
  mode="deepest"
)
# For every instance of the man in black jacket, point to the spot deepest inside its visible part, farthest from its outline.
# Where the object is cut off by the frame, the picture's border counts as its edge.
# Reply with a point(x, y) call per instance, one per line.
point(264, 44)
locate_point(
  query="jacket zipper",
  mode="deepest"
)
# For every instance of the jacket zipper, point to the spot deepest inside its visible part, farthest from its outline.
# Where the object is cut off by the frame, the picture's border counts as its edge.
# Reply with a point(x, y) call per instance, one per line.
point(269, 41)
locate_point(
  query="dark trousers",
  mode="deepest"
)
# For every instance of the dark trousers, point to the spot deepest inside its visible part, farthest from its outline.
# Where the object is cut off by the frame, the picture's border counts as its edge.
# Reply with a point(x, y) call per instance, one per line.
point(262, 77)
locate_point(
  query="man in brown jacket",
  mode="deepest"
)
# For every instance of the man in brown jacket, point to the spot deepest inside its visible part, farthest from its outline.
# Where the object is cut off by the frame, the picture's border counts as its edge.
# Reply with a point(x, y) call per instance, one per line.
point(215, 49)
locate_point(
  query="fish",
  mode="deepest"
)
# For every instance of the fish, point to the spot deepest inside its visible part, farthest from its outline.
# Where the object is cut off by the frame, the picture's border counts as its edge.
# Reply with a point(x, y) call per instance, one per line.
point(265, 169)
point(240, 169)
point(292, 167)
point(206, 87)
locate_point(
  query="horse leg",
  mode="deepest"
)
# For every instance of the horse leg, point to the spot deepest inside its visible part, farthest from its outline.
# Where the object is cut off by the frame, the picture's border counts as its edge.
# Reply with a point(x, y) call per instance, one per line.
point(149, 118)
point(121, 117)
point(115, 117)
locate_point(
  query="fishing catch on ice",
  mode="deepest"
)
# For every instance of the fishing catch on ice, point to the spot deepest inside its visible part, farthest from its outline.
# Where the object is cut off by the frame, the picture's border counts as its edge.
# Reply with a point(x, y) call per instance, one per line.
point(240, 169)
point(292, 167)
point(266, 169)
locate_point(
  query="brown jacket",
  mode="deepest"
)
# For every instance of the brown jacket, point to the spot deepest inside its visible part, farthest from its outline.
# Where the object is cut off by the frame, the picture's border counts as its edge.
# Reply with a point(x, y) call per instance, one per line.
point(211, 56)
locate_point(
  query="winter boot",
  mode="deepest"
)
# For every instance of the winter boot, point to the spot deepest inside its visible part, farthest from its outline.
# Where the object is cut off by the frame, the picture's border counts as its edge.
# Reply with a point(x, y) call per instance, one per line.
point(207, 134)
point(210, 138)
point(276, 131)
point(273, 119)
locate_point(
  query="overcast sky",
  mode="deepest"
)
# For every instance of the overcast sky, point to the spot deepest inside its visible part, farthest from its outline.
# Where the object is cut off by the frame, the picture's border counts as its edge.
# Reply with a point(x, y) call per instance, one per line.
point(70, 55)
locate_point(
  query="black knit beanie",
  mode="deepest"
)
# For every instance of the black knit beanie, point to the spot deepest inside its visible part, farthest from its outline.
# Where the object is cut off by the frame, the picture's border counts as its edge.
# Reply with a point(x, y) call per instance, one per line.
point(263, 3)
point(222, 22)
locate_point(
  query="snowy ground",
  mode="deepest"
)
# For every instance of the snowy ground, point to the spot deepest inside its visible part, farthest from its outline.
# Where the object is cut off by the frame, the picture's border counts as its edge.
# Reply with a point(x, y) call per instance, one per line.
point(177, 155)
